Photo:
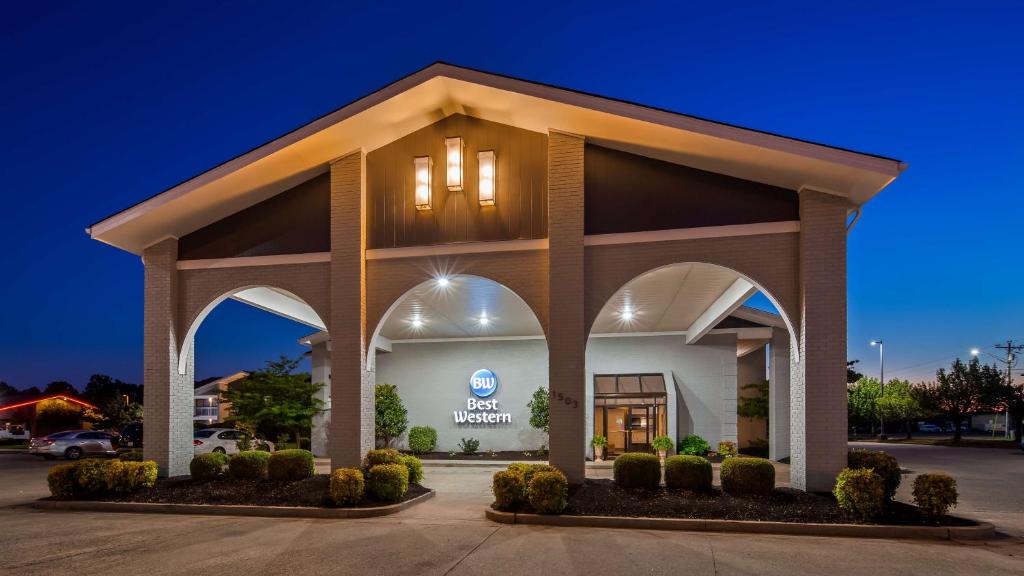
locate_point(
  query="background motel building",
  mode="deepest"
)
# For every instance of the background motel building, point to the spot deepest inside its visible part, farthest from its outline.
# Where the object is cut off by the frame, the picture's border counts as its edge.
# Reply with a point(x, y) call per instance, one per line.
point(457, 221)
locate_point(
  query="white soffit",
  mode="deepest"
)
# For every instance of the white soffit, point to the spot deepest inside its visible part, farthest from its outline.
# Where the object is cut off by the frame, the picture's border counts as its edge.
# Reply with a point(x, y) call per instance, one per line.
point(280, 303)
point(440, 90)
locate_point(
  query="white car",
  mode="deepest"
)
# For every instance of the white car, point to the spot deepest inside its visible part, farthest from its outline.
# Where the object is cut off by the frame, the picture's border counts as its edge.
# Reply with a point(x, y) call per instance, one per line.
point(223, 440)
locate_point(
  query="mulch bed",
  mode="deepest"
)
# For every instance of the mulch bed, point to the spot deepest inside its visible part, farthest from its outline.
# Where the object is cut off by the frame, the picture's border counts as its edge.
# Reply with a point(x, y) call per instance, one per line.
point(506, 456)
point(309, 492)
point(604, 498)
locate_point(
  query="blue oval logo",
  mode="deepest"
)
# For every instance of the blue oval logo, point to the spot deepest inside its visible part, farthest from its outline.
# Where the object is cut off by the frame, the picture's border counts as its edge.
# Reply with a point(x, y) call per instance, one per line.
point(483, 383)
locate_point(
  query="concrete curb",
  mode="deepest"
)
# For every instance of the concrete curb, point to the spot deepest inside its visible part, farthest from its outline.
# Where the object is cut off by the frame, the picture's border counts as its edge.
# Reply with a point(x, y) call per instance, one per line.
point(228, 509)
point(983, 531)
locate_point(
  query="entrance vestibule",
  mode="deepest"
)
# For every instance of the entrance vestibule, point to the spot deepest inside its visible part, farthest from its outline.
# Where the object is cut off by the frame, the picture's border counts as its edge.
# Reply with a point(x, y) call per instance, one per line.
point(630, 410)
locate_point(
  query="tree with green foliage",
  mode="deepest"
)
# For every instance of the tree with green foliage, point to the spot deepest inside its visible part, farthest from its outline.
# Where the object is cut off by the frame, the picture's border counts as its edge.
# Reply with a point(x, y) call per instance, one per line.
point(391, 417)
point(60, 387)
point(1009, 397)
point(962, 391)
point(902, 401)
point(862, 402)
point(275, 398)
point(101, 390)
point(851, 373)
point(754, 406)
point(540, 409)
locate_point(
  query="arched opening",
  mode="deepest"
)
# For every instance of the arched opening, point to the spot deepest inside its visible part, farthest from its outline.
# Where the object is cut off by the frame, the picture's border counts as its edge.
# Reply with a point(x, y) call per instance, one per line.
point(466, 354)
point(686, 349)
point(243, 330)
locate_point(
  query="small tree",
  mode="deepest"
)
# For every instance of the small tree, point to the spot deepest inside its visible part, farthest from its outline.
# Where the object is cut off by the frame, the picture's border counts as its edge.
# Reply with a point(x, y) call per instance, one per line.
point(275, 398)
point(540, 410)
point(754, 406)
point(391, 417)
point(862, 401)
point(851, 372)
point(961, 391)
point(903, 401)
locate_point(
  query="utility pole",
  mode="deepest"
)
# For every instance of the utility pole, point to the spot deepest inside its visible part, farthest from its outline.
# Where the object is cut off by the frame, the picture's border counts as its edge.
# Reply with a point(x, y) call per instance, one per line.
point(1011, 359)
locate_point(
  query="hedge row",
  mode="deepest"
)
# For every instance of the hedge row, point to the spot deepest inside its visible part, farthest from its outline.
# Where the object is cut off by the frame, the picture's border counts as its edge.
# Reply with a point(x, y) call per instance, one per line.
point(91, 478)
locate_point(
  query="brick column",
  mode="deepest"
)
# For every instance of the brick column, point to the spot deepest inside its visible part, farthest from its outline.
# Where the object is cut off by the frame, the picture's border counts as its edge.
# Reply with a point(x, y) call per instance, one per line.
point(169, 396)
point(321, 374)
point(352, 421)
point(818, 392)
point(778, 395)
point(566, 329)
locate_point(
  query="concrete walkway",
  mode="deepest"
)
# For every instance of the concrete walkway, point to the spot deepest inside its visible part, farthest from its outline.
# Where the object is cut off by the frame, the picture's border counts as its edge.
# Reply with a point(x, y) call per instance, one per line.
point(447, 535)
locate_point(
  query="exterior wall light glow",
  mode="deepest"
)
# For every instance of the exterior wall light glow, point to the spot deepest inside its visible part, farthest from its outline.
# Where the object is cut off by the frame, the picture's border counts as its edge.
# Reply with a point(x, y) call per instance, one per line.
point(453, 151)
point(487, 177)
point(484, 320)
point(422, 169)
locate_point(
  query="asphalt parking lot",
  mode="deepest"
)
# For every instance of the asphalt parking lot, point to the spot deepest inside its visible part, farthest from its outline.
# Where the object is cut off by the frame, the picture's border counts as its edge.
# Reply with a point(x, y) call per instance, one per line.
point(448, 535)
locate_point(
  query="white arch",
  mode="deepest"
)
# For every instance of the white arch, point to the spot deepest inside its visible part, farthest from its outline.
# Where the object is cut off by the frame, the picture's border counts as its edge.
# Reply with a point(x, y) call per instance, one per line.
point(187, 344)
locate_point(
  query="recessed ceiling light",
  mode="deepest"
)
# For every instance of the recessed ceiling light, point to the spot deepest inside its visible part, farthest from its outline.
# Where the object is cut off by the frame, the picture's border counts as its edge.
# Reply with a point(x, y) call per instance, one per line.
point(626, 314)
point(484, 320)
point(417, 323)
point(443, 282)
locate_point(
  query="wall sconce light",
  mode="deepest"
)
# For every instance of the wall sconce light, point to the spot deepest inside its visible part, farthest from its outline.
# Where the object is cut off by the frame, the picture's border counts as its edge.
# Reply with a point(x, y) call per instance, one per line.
point(487, 177)
point(453, 151)
point(422, 168)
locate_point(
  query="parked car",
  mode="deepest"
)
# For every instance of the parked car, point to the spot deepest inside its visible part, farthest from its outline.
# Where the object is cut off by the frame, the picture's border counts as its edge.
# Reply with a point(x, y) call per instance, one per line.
point(74, 444)
point(223, 440)
point(926, 427)
point(131, 435)
point(963, 427)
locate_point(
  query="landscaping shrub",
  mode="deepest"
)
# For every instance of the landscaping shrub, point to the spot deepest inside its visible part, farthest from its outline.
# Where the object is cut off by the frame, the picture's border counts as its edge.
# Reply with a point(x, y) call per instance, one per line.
point(290, 465)
point(693, 445)
point(61, 479)
point(94, 477)
point(133, 456)
point(748, 476)
point(884, 464)
point(347, 486)
point(469, 445)
point(415, 469)
point(637, 470)
point(548, 492)
point(688, 473)
point(206, 467)
point(132, 476)
point(726, 449)
point(388, 482)
point(661, 443)
point(383, 456)
point(422, 439)
point(528, 470)
point(509, 487)
point(935, 494)
point(861, 492)
point(249, 465)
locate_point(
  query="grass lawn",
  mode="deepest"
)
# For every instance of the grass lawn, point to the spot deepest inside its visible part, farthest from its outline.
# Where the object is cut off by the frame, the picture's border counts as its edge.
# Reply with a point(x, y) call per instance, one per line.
point(964, 442)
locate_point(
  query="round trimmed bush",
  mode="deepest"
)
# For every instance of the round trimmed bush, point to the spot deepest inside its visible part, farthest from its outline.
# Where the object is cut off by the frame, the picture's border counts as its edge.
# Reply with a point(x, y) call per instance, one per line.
point(133, 476)
point(249, 465)
point(290, 465)
point(688, 473)
point(637, 470)
point(347, 486)
point(209, 466)
point(548, 492)
point(742, 476)
point(693, 445)
point(94, 476)
point(388, 482)
point(861, 492)
point(383, 456)
point(935, 494)
point(509, 487)
point(422, 439)
point(528, 470)
point(61, 480)
point(883, 464)
point(415, 468)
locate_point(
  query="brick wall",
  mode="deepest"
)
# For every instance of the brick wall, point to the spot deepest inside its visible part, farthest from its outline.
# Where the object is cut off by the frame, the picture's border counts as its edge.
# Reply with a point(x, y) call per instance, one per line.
point(818, 389)
point(566, 330)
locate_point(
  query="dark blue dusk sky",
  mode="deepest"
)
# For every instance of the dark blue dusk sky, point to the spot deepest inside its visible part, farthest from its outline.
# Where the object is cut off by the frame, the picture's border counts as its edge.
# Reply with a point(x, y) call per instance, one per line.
point(106, 103)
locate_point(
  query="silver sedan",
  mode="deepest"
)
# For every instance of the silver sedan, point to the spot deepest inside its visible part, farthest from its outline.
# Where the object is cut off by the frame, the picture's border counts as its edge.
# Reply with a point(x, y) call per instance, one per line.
point(74, 444)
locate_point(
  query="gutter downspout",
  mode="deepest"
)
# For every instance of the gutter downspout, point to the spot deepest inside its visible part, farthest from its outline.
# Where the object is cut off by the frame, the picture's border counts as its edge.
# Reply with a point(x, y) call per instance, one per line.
point(856, 216)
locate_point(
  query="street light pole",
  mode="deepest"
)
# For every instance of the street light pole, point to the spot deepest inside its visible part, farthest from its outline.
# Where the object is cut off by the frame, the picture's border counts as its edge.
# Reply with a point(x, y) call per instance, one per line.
point(881, 386)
